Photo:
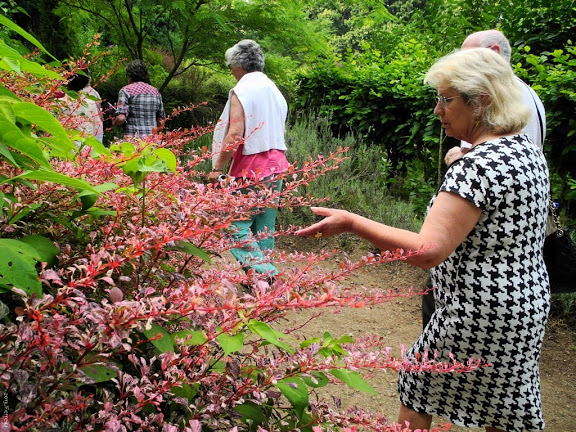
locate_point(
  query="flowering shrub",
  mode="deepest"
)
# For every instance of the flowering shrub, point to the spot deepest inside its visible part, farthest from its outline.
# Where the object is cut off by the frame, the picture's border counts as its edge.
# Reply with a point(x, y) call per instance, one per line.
point(120, 309)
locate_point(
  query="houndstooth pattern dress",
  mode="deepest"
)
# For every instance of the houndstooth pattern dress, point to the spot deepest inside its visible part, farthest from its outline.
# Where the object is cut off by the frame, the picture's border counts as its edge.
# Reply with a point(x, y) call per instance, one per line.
point(492, 297)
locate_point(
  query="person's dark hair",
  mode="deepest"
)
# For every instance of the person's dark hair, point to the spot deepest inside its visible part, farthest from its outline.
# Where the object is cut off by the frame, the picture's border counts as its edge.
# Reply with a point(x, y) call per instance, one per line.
point(137, 71)
point(246, 54)
point(79, 80)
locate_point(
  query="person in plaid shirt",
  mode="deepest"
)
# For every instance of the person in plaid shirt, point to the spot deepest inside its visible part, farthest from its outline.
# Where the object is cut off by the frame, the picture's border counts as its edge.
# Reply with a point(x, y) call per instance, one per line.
point(140, 107)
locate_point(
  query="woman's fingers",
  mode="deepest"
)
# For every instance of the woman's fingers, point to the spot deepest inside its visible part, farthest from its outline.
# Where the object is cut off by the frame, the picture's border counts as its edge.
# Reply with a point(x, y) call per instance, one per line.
point(333, 223)
point(311, 231)
point(315, 230)
point(321, 211)
point(454, 154)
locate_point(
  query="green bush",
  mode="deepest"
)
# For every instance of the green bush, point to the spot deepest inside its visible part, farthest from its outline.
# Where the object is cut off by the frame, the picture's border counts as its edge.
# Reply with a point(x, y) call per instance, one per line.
point(356, 186)
point(382, 99)
point(553, 77)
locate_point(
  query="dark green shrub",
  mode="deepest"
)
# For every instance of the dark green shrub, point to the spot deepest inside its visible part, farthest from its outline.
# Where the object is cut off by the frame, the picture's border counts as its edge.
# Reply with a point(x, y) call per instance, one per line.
point(553, 77)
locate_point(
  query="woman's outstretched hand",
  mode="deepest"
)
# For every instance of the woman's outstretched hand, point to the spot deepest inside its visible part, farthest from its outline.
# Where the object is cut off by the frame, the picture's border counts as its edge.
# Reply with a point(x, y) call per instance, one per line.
point(335, 222)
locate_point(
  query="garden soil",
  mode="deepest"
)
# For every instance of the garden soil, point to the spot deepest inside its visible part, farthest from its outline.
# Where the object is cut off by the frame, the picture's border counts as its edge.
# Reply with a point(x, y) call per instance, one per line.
point(400, 322)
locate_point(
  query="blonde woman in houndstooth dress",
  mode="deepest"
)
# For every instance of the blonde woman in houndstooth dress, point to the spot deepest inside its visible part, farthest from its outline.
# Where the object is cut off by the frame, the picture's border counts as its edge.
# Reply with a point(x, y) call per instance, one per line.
point(486, 227)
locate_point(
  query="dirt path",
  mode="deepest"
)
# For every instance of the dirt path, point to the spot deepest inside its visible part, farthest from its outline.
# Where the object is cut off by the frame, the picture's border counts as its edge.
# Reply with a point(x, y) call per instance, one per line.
point(400, 323)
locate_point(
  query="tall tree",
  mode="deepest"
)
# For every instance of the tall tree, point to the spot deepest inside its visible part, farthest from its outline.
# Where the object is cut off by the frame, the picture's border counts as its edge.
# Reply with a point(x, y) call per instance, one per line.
point(195, 32)
point(544, 25)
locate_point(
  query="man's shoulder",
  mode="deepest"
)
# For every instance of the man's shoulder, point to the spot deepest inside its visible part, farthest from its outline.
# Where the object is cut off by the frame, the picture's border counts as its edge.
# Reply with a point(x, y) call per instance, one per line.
point(527, 90)
point(140, 88)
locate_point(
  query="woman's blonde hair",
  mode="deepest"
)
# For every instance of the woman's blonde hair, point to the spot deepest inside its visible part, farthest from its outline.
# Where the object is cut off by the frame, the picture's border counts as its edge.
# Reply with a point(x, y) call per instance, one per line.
point(486, 82)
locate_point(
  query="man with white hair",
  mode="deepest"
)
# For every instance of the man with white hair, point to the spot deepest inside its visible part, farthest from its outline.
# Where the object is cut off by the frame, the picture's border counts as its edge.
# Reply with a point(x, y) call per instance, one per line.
point(497, 42)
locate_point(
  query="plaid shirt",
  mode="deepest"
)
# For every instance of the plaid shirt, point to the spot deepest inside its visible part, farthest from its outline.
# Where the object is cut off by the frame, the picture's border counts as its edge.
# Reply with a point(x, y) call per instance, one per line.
point(142, 105)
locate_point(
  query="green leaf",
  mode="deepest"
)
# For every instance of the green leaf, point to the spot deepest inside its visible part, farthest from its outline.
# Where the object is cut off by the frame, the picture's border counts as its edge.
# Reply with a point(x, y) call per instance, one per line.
point(164, 343)
point(343, 339)
point(151, 165)
point(353, 379)
point(7, 94)
point(47, 176)
point(12, 136)
point(306, 343)
point(184, 391)
point(89, 198)
point(104, 187)
point(99, 373)
point(11, 157)
point(3, 203)
point(7, 111)
point(95, 213)
point(218, 367)
point(231, 344)
point(11, 63)
point(127, 148)
point(18, 267)
point(44, 120)
point(252, 414)
point(58, 148)
point(97, 147)
point(296, 392)
point(191, 249)
point(11, 60)
point(317, 380)
point(130, 166)
point(197, 337)
point(332, 347)
point(46, 249)
point(267, 333)
point(168, 157)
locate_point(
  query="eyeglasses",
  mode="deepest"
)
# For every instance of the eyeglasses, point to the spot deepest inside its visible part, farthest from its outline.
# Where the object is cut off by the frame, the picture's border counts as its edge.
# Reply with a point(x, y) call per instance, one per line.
point(444, 100)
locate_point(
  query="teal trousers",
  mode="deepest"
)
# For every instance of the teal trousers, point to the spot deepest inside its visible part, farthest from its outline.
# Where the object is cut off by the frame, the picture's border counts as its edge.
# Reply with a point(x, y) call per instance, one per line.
point(262, 221)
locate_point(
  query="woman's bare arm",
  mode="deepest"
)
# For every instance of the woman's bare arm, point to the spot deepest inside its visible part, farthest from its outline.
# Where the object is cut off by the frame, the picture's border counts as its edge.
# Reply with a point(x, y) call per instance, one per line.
point(235, 135)
point(448, 223)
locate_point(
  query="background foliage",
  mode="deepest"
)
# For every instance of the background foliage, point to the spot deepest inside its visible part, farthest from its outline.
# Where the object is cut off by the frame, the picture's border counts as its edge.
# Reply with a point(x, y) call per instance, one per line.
point(375, 89)
point(358, 64)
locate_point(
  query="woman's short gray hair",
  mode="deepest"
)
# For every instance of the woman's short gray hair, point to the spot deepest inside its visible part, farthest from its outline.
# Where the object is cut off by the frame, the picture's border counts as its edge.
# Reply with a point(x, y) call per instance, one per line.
point(486, 82)
point(246, 54)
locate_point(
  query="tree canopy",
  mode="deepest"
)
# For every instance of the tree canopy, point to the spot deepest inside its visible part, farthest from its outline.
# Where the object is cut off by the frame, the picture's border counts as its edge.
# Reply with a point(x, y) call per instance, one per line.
point(193, 32)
